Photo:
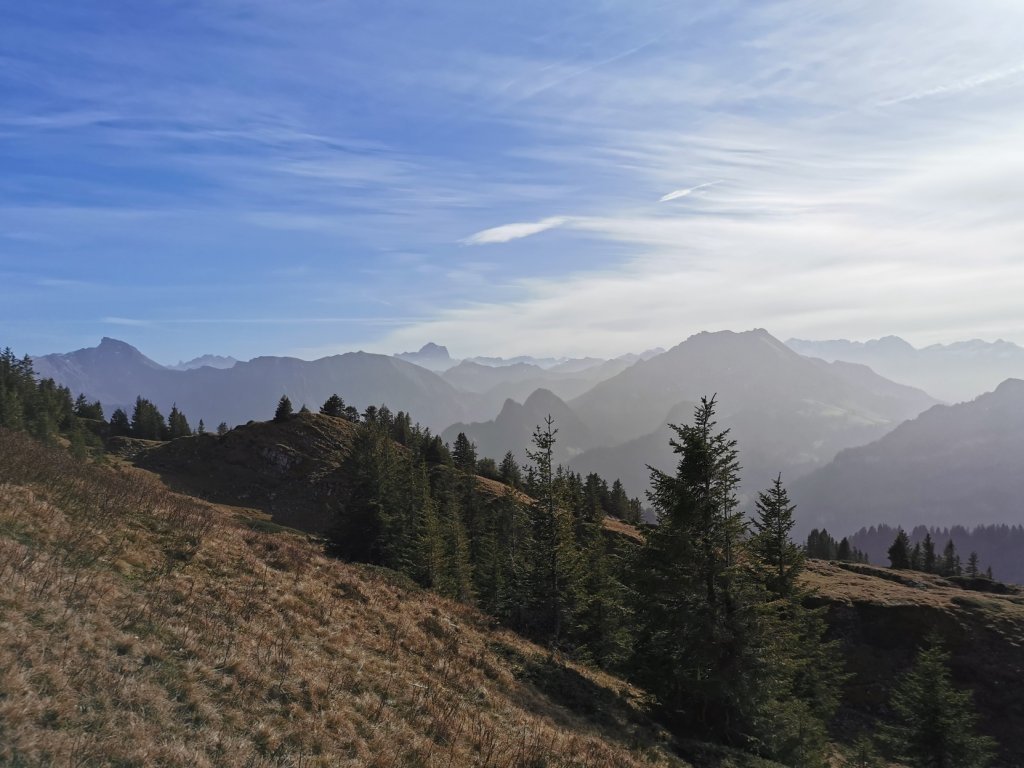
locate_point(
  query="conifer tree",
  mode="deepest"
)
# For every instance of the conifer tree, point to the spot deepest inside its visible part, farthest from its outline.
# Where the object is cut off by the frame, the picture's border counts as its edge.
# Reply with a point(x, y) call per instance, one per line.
point(899, 552)
point(464, 454)
point(778, 558)
point(844, 554)
point(554, 569)
point(119, 423)
point(509, 471)
point(972, 565)
point(284, 409)
point(177, 424)
point(928, 554)
point(222, 429)
point(619, 503)
point(936, 725)
point(950, 565)
point(88, 410)
point(916, 560)
point(201, 429)
point(723, 658)
point(147, 421)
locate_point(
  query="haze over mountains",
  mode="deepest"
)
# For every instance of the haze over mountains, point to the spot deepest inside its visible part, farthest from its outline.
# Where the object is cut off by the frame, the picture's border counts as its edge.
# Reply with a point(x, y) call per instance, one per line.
point(213, 361)
point(115, 373)
point(952, 372)
point(790, 413)
point(953, 465)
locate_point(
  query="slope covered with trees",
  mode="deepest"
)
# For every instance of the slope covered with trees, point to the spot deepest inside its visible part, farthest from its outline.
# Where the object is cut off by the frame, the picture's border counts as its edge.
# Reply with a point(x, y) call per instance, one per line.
point(142, 627)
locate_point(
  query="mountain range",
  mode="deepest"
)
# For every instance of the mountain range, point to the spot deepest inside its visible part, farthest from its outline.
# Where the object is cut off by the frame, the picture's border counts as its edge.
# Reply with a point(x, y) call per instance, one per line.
point(790, 413)
point(115, 373)
point(952, 465)
point(952, 372)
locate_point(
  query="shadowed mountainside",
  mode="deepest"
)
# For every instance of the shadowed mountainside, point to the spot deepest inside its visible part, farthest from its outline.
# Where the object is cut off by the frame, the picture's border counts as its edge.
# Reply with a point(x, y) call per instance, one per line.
point(952, 465)
point(512, 430)
point(790, 413)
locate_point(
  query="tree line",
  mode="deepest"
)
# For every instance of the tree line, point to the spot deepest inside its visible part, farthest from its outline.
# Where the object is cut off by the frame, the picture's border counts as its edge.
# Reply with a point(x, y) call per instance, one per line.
point(821, 545)
point(991, 548)
point(44, 408)
point(923, 557)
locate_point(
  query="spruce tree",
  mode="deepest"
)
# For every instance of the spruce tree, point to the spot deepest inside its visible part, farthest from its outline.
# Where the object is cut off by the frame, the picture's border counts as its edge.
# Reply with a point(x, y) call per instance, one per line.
point(223, 429)
point(333, 406)
point(554, 571)
point(972, 565)
point(724, 657)
point(899, 552)
point(509, 471)
point(844, 553)
point(619, 504)
point(464, 454)
point(147, 421)
point(936, 725)
point(928, 554)
point(177, 424)
point(119, 423)
point(950, 564)
point(779, 560)
point(284, 409)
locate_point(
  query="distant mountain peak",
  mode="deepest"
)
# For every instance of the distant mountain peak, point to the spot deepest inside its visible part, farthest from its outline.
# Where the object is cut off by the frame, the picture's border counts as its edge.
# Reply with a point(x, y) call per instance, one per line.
point(110, 344)
point(432, 356)
point(430, 348)
point(211, 361)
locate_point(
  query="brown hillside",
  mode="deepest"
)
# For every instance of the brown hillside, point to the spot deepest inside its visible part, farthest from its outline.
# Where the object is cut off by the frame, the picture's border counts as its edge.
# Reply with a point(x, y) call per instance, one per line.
point(141, 627)
point(882, 616)
point(286, 469)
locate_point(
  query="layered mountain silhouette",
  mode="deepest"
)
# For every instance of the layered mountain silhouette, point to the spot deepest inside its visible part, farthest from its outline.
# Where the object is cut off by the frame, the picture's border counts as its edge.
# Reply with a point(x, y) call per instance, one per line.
point(115, 373)
point(213, 361)
point(496, 384)
point(512, 430)
point(952, 372)
point(790, 414)
point(960, 464)
point(431, 356)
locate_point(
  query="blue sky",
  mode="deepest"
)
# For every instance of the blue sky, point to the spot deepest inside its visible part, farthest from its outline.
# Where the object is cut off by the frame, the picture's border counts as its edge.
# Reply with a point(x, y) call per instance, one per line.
point(258, 177)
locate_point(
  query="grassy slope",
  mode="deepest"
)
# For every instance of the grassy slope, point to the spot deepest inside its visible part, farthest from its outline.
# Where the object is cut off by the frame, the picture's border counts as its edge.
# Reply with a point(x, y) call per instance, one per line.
point(883, 616)
point(143, 627)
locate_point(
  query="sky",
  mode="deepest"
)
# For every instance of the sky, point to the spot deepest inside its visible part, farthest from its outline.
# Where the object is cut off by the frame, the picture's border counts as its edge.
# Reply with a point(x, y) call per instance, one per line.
point(586, 177)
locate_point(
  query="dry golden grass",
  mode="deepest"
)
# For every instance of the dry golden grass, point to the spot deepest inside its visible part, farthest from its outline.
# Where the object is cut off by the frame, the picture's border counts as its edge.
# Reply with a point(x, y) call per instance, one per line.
point(887, 588)
point(139, 627)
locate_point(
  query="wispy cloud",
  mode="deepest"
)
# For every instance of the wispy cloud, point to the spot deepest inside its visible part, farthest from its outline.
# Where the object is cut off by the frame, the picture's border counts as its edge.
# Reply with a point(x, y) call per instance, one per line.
point(132, 322)
point(958, 86)
point(686, 192)
point(508, 232)
point(874, 174)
